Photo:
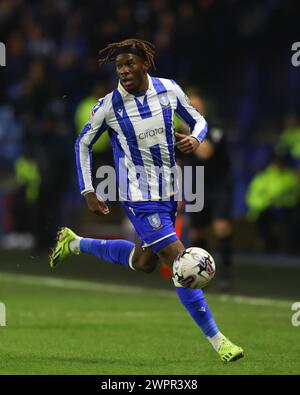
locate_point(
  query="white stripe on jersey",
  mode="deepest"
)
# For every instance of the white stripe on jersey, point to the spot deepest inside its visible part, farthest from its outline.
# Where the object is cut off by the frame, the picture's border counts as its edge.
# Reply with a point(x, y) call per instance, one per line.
point(135, 193)
point(145, 140)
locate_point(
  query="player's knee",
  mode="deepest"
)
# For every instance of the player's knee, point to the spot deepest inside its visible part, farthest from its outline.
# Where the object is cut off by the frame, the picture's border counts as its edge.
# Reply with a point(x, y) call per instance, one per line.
point(144, 265)
point(170, 252)
point(149, 267)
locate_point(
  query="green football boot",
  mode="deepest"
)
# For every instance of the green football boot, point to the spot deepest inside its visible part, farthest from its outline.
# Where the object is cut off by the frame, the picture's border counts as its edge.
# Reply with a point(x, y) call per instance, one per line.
point(62, 250)
point(229, 352)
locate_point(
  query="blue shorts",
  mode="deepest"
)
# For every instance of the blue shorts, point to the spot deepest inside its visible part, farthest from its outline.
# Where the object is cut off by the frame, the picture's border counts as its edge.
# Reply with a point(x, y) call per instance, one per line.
point(153, 221)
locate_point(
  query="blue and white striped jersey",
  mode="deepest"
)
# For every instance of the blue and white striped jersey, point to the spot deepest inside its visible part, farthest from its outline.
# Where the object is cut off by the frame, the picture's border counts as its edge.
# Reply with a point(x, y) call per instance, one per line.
point(142, 136)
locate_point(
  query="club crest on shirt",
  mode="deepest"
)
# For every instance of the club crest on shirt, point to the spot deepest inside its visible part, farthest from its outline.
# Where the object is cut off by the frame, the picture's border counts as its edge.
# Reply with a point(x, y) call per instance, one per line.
point(154, 221)
point(120, 111)
point(164, 99)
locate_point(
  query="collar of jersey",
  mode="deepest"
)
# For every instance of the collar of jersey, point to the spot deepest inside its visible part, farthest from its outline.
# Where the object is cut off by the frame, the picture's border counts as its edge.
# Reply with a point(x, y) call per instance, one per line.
point(124, 92)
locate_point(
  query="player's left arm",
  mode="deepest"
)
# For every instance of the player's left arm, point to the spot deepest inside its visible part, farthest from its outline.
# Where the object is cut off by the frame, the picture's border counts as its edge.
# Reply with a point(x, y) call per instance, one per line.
point(92, 131)
point(196, 122)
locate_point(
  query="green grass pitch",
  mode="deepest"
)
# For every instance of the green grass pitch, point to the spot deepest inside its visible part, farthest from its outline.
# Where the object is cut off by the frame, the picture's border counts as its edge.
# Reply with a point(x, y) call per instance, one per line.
point(56, 326)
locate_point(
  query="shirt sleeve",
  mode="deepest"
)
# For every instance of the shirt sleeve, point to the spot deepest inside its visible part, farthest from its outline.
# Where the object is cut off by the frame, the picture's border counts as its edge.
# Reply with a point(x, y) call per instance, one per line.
point(190, 115)
point(93, 129)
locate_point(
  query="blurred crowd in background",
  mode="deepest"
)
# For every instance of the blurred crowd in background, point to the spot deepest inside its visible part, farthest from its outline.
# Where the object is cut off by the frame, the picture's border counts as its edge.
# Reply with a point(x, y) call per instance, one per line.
point(236, 53)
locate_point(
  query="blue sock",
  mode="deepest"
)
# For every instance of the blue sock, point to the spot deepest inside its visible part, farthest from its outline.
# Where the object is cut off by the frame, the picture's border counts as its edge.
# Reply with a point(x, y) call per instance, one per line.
point(194, 301)
point(113, 251)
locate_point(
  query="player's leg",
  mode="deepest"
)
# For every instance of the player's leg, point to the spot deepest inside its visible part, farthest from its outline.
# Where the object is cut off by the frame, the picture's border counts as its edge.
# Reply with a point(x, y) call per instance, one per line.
point(192, 299)
point(120, 252)
point(195, 303)
point(113, 251)
point(144, 259)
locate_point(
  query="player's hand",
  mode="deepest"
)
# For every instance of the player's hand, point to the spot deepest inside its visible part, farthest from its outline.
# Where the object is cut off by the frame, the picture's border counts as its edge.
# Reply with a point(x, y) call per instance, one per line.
point(186, 144)
point(95, 204)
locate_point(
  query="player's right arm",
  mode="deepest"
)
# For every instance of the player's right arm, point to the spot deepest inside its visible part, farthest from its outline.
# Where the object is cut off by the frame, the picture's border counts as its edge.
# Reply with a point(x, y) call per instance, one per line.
point(95, 126)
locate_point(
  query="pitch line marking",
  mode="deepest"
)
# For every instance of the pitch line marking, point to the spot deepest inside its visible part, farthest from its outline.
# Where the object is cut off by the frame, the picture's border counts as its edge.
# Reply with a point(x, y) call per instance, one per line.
point(130, 290)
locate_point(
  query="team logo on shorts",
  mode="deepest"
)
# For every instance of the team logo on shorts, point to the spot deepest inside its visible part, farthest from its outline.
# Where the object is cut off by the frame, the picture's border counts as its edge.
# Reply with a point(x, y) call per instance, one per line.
point(164, 99)
point(154, 221)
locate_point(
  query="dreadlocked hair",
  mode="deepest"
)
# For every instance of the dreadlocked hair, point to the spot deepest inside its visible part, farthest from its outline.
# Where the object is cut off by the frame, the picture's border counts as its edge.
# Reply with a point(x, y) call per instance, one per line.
point(110, 52)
